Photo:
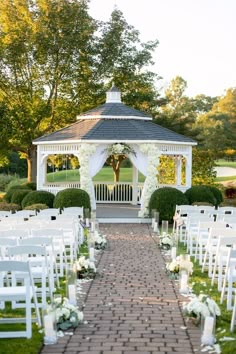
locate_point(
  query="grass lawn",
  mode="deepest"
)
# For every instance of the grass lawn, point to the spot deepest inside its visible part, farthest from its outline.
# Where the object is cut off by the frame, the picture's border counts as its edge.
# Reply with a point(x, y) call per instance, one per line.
point(224, 163)
point(104, 175)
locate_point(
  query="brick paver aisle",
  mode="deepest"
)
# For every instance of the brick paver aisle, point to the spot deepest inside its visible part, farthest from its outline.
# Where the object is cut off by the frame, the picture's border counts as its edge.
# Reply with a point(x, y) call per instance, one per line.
point(132, 306)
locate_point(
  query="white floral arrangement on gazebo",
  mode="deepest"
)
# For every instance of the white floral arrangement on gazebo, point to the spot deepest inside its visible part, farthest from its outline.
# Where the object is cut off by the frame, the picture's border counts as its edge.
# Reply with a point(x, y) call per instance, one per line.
point(120, 149)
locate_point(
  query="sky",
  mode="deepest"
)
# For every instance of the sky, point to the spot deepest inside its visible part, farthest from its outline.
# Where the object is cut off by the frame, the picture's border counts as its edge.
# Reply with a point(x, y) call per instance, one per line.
point(197, 39)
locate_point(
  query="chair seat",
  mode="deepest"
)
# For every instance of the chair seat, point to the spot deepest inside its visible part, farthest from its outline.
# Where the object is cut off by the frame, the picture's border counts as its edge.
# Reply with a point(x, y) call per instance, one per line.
point(14, 293)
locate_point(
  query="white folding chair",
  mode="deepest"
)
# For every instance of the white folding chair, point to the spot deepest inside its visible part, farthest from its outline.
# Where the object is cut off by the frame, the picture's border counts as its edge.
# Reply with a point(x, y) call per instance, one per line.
point(228, 287)
point(11, 290)
point(202, 237)
point(48, 243)
point(50, 212)
point(192, 228)
point(228, 239)
point(6, 242)
point(210, 248)
point(38, 259)
point(76, 211)
point(59, 249)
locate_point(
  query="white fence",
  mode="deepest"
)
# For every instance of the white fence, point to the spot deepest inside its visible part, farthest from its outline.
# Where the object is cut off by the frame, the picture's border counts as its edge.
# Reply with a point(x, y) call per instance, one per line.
point(108, 192)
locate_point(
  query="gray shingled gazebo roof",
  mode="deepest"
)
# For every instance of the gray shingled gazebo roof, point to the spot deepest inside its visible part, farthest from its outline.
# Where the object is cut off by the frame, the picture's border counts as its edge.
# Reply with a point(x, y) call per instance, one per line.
point(114, 121)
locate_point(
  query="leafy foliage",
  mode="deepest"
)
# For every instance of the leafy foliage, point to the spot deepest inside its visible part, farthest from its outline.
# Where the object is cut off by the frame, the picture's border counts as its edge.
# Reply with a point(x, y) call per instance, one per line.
point(217, 194)
point(72, 197)
point(203, 164)
point(38, 197)
point(4, 181)
point(164, 200)
point(11, 191)
point(9, 206)
point(200, 194)
point(19, 195)
point(36, 207)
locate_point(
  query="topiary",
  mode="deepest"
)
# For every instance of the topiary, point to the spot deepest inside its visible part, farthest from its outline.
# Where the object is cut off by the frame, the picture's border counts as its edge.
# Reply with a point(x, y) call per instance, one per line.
point(217, 194)
point(38, 197)
point(12, 190)
point(200, 194)
point(164, 200)
point(72, 197)
point(31, 185)
point(19, 195)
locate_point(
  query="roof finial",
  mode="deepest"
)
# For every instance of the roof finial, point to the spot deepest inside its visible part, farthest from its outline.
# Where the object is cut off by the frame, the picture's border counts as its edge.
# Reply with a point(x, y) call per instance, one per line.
point(113, 95)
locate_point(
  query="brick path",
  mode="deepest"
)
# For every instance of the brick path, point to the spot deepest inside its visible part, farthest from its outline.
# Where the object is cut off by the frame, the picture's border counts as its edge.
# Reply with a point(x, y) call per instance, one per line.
point(131, 306)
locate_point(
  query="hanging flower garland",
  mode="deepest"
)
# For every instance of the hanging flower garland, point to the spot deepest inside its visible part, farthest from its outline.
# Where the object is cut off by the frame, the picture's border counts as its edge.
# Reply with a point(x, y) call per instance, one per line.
point(153, 154)
point(84, 152)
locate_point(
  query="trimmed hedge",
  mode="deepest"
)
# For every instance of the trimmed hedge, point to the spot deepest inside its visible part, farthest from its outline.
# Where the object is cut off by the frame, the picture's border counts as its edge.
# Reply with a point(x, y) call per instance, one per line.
point(38, 197)
point(217, 194)
point(19, 195)
point(72, 197)
point(11, 191)
point(164, 200)
point(200, 194)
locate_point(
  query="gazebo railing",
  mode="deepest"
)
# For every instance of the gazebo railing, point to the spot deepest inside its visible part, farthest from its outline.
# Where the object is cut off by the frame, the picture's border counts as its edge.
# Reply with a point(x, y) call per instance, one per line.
point(105, 192)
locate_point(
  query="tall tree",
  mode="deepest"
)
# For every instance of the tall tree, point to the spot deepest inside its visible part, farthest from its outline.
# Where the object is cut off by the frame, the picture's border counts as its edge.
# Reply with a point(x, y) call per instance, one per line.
point(217, 128)
point(45, 46)
point(124, 59)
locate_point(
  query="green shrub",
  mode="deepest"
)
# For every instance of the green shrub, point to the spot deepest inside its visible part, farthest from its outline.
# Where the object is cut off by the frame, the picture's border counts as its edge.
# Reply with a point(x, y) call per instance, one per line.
point(72, 197)
point(9, 207)
point(19, 195)
point(217, 194)
point(36, 207)
point(14, 182)
point(4, 181)
point(200, 194)
point(30, 185)
point(38, 197)
point(12, 190)
point(164, 200)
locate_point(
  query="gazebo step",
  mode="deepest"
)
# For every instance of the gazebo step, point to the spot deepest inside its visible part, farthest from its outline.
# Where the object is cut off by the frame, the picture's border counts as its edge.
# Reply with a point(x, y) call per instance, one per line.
point(124, 220)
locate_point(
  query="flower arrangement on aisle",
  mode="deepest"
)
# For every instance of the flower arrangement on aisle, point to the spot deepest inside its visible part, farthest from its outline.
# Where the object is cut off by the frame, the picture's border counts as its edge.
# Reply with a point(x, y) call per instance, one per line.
point(67, 315)
point(100, 241)
point(173, 267)
point(201, 306)
point(85, 268)
point(166, 241)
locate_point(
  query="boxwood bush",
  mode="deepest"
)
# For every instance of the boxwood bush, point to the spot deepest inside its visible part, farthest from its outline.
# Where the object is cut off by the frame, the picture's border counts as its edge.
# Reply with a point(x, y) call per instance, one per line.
point(36, 207)
point(200, 194)
point(11, 191)
point(19, 195)
point(38, 197)
point(164, 200)
point(217, 194)
point(72, 197)
point(9, 207)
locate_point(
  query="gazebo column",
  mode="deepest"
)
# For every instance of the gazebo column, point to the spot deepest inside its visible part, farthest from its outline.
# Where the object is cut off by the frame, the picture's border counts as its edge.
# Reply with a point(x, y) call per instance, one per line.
point(41, 171)
point(188, 170)
point(135, 186)
point(178, 168)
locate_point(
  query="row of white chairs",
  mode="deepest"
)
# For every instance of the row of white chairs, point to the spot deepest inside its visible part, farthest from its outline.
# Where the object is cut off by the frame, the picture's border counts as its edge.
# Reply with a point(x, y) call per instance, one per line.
point(44, 247)
point(212, 241)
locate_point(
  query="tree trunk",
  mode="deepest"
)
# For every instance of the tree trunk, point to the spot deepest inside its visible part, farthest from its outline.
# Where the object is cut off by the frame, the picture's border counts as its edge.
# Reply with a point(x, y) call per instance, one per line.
point(117, 175)
point(32, 164)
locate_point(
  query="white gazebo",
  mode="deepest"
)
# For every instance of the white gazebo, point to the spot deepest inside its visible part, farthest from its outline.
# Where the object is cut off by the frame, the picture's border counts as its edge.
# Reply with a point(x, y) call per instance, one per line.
point(92, 136)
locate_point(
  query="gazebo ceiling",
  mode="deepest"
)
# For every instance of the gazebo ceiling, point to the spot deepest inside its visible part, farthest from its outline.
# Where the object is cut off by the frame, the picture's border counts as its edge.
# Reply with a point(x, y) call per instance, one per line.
point(114, 121)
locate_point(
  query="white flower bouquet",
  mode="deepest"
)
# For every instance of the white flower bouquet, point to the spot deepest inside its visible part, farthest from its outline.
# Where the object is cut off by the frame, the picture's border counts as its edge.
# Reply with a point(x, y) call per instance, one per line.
point(67, 315)
point(172, 268)
point(100, 241)
point(201, 306)
point(85, 268)
point(166, 242)
point(120, 149)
